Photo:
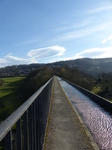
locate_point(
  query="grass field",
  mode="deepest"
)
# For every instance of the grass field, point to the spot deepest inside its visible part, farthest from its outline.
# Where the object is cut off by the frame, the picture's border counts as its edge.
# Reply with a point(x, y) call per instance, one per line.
point(11, 97)
point(96, 89)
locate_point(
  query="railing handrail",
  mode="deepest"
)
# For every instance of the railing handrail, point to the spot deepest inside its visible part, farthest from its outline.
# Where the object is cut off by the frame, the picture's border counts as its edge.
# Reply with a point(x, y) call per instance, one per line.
point(9, 122)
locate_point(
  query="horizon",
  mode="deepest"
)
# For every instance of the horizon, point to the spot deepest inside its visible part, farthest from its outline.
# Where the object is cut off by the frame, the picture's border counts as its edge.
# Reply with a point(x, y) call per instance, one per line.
point(54, 62)
point(41, 32)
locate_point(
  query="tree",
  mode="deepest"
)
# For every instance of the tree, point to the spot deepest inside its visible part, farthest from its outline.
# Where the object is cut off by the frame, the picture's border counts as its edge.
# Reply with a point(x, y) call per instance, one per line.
point(1, 82)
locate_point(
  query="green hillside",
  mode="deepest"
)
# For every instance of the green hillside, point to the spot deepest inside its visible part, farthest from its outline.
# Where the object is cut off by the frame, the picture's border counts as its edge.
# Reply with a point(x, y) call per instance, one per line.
point(11, 96)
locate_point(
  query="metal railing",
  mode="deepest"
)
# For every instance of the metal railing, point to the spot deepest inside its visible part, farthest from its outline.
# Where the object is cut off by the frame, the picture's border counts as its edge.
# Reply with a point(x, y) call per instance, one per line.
point(25, 128)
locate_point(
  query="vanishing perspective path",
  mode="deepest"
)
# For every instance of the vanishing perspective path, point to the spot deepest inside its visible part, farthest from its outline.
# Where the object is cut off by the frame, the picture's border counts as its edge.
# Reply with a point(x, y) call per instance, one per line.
point(65, 129)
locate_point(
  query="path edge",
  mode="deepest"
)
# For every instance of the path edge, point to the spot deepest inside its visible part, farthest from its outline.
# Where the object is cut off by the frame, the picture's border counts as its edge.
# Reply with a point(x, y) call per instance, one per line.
point(47, 125)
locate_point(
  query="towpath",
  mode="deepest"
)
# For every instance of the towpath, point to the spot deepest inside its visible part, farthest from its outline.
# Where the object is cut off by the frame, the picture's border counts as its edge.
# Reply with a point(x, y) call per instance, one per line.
point(65, 129)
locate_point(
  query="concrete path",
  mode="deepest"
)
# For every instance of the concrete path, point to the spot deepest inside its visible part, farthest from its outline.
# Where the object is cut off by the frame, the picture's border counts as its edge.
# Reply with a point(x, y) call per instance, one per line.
point(65, 130)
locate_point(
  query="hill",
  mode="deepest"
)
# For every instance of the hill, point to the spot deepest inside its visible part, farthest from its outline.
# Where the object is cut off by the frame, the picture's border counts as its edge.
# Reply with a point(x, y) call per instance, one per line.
point(90, 66)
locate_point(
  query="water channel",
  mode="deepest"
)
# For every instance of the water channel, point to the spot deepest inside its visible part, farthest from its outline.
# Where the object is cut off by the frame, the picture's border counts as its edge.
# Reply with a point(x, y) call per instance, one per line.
point(98, 121)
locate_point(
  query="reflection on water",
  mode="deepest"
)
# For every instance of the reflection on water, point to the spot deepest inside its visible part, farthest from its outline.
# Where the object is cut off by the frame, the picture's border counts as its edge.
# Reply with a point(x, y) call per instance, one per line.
point(96, 119)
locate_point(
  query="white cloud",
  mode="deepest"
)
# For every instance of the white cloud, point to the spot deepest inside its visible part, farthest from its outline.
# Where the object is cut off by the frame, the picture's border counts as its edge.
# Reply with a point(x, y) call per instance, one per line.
point(110, 37)
point(33, 56)
point(106, 40)
point(99, 9)
point(13, 58)
point(2, 61)
point(89, 53)
point(95, 53)
point(78, 25)
point(46, 52)
point(83, 32)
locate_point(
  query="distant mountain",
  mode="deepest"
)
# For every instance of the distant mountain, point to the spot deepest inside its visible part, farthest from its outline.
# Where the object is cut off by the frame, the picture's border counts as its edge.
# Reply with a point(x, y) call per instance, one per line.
point(87, 65)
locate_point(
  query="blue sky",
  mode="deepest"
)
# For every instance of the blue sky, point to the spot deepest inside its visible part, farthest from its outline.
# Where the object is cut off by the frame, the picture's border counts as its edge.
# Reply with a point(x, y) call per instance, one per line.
point(44, 31)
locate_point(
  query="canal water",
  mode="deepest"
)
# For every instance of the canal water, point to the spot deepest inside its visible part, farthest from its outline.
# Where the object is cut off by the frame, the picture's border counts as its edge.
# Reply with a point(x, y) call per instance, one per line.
point(98, 121)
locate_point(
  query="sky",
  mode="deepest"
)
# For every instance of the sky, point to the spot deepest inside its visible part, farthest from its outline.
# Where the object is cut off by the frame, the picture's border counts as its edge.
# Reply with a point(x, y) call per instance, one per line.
point(45, 31)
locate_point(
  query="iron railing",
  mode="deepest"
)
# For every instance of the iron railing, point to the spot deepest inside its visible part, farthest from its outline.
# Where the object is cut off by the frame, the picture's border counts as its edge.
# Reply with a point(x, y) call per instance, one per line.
point(25, 128)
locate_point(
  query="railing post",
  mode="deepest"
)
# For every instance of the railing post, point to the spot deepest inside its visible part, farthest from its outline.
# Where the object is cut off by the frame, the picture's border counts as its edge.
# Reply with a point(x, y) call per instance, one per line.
point(19, 134)
point(25, 130)
point(37, 122)
point(34, 125)
point(40, 119)
point(39, 126)
point(8, 141)
point(30, 128)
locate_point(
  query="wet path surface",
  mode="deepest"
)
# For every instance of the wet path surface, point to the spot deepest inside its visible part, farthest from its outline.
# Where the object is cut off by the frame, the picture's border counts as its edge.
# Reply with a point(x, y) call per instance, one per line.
point(96, 119)
point(64, 129)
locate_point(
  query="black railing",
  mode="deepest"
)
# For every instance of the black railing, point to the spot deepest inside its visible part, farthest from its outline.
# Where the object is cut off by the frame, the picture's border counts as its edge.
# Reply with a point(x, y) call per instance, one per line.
point(25, 128)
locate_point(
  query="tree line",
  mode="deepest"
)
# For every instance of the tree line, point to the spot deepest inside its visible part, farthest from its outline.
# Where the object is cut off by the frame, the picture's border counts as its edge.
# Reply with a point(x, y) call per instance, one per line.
point(37, 78)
